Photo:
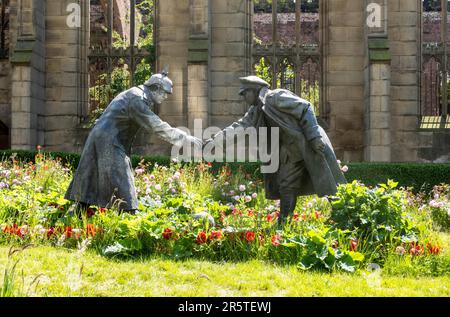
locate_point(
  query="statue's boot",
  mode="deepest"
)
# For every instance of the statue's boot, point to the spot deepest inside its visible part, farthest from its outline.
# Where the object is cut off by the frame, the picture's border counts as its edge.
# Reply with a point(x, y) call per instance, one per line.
point(287, 206)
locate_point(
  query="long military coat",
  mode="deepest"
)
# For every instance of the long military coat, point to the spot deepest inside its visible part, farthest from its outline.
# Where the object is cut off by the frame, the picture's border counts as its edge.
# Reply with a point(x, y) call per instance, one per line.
point(104, 173)
point(295, 117)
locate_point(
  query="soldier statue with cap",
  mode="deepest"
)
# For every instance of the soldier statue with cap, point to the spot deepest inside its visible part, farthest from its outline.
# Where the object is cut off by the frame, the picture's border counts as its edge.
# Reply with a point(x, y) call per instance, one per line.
point(104, 175)
point(308, 164)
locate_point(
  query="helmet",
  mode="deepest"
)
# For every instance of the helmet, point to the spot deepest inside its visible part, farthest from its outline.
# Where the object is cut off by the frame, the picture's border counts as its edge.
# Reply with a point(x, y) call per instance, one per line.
point(251, 82)
point(161, 80)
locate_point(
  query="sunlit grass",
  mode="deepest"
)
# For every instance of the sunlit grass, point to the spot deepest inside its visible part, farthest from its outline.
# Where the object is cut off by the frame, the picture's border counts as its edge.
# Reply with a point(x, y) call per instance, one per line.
point(70, 273)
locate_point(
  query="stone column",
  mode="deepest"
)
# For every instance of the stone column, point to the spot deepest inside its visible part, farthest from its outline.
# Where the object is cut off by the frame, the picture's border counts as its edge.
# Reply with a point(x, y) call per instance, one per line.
point(343, 75)
point(198, 58)
point(28, 69)
point(231, 37)
point(67, 73)
point(378, 113)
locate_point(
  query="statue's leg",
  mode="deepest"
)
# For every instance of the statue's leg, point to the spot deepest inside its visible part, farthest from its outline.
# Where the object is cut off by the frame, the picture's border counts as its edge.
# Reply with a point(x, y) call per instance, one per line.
point(80, 209)
point(288, 202)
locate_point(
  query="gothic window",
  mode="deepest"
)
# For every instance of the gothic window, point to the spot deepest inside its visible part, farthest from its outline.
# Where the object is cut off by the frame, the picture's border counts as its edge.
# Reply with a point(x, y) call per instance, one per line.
point(4, 36)
point(286, 48)
point(122, 51)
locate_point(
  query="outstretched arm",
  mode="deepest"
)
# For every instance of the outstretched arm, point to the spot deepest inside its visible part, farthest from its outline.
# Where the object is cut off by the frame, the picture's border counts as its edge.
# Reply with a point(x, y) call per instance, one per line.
point(144, 117)
point(248, 120)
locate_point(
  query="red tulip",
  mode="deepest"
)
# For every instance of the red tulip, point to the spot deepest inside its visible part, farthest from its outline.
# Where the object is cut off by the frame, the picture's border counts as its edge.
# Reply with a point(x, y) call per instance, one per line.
point(353, 245)
point(201, 237)
point(167, 234)
point(215, 235)
point(250, 236)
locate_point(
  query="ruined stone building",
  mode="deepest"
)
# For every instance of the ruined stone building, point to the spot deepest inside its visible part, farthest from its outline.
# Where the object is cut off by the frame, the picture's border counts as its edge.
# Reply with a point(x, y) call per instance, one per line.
point(376, 70)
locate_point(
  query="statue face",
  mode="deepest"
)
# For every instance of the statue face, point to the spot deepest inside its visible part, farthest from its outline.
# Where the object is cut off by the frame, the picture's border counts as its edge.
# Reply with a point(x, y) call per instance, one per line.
point(250, 96)
point(159, 96)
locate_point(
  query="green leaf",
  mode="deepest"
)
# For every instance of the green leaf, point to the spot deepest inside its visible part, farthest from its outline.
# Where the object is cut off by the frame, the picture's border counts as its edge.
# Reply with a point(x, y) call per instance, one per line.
point(307, 262)
point(356, 256)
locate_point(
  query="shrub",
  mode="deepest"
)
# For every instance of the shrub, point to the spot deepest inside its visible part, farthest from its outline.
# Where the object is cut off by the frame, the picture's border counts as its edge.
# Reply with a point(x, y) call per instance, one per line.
point(419, 177)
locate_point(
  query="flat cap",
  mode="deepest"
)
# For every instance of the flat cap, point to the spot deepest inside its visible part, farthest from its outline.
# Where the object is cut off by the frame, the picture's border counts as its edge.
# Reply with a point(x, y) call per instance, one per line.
point(252, 82)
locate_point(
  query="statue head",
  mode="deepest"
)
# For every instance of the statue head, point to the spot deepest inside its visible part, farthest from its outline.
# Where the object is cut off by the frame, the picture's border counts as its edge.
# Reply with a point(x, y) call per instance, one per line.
point(250, 88)
point(160, 85)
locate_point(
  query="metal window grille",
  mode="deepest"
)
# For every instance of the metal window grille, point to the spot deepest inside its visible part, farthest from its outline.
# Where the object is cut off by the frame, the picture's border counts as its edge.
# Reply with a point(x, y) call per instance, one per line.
point(121, 54)
point(435, 64)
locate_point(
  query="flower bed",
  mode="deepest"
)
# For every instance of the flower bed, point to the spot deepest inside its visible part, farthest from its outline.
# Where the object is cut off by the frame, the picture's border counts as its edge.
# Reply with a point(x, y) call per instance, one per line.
point(188, 211)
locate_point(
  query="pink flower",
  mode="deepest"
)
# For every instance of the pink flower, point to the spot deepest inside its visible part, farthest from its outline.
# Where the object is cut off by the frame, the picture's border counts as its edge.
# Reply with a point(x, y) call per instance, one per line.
point(276, 240)
point(248, 199)
point(139, 171)
point(242, 188)
point(254, 195)
point(400, 250)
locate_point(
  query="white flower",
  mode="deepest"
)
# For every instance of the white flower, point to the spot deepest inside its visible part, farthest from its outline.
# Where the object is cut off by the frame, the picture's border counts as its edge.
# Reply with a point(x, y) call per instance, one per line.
point(339, 162)
point(148, 191)
point(16, 182)
point(242, 188)
point(448, 212)
point(173, 190)
point(3, 227)
point(248, 199)
point(5, 173)
point(226, 184)
point(3, 185)
point(254, 195)
point(345, 168)
point(174, 160)
point(37, 228)
point(158, 187)
point(39, 189)
point(170, 180)
point(26, 178)
point(232, 193)
point(436, 196)
point(237, 197)
point(176, 176)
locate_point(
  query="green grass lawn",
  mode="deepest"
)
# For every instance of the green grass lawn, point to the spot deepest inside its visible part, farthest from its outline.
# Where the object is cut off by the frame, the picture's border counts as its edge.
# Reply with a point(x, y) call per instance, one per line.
point(71, 273)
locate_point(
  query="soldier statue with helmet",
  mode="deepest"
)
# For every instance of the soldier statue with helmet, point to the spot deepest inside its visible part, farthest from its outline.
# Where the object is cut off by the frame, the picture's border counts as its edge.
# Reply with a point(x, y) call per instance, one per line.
point(104, 175)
